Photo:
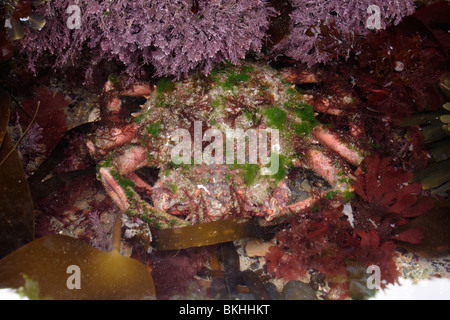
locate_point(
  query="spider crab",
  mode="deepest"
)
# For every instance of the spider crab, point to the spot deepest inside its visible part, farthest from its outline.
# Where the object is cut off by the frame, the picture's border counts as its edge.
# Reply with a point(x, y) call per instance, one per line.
point(191, 130)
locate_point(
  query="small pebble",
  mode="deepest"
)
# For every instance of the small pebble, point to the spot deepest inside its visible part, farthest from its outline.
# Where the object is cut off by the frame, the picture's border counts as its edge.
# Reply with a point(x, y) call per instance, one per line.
point(297, 290)
point(273, 292)
point(306, 186)
point(399, 66)
point(255, 248)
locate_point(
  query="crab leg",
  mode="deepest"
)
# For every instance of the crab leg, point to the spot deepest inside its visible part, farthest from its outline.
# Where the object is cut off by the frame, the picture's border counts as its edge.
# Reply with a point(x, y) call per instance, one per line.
point(293, 209)
point(117, 136)
point(276, 205)
point(323, 165)
point(301, 205)
point(139, 183)
point(323, 105)
point(111, 138)
point(299, 76)
point(326, 167)
point(332, 141)
point(135, 90)
point(129, 201)
point(131, 157)
point(333, 169)
point(113, 189)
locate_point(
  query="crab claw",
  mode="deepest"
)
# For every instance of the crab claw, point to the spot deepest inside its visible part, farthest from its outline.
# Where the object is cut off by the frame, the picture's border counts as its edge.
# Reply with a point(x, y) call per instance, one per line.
point(137, 90)
point(276, 201)
point(133, 157)
point(110, 138)
point(111, 96)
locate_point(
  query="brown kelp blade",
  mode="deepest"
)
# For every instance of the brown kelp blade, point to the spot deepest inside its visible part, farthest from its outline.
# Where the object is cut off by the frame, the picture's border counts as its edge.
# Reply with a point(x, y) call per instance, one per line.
point(206, 234)
point(16, 206)
point(435, 225)
point(68, 268)
point(434, 175)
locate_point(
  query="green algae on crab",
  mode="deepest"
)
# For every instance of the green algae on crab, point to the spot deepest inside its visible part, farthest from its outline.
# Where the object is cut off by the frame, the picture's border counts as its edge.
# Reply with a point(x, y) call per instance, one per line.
point(244, 100)
point(244, 97)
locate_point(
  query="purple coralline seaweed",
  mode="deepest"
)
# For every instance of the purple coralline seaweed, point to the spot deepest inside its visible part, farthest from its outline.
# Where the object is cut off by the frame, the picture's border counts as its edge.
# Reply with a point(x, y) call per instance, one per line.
point(323, 29)
point(173, 36)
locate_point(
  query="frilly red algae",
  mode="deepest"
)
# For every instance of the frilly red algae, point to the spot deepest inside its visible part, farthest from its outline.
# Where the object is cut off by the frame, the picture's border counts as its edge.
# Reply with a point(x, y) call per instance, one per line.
point(323, 241)
point(206, 234)
point(384, 185)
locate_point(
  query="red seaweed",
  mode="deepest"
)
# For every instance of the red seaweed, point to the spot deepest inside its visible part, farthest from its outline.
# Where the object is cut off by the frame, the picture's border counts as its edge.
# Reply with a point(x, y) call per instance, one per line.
point(174, 271)
point(51, 116)
point(324, 241)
